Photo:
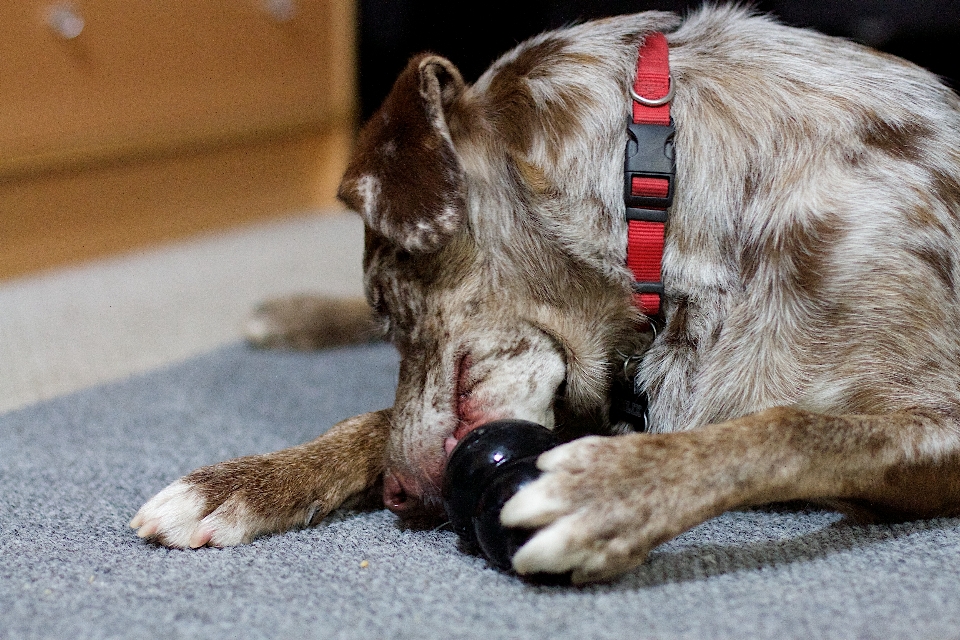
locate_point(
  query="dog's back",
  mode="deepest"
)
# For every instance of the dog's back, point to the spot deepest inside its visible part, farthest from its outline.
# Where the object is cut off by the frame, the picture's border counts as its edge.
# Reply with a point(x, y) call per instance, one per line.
point(814, 246)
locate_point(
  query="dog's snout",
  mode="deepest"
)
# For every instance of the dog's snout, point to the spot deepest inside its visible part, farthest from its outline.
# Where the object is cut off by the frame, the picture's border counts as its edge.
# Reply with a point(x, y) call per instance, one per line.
point(398, 495)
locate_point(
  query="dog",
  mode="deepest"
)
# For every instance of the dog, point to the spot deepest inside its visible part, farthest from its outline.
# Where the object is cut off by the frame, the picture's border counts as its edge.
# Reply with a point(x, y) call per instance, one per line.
point(808, 347)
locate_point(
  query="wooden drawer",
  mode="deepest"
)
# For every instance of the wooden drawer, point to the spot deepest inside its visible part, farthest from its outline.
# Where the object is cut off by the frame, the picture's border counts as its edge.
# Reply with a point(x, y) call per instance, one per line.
point(145, 76)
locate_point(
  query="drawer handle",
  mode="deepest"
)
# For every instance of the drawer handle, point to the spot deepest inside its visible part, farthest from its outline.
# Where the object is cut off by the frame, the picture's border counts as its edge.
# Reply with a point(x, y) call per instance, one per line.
point(65, 21)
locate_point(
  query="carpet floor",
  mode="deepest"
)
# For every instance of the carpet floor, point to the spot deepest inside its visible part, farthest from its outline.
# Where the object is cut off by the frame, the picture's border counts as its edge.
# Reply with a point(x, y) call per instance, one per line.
point(75, 468)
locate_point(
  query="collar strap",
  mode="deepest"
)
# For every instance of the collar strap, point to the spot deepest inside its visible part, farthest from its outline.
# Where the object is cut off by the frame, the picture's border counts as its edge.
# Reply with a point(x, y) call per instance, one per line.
point(649, 171)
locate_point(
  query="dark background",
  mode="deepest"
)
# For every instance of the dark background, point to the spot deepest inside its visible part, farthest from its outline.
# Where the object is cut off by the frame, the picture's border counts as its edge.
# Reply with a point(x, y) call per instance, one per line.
point(473, 35)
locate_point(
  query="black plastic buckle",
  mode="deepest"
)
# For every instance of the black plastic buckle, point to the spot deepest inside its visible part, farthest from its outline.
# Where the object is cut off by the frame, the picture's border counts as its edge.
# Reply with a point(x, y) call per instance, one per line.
point(649, 154)
point(628, 405)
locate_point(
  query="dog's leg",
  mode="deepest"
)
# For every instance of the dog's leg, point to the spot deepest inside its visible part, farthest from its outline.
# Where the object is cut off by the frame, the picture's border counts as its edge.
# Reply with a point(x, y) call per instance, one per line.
point(603, 503)
point(308, 322)
point(235, 501)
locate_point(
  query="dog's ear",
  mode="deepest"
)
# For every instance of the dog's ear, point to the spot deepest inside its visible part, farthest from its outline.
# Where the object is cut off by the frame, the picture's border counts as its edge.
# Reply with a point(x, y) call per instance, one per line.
point(405, 177)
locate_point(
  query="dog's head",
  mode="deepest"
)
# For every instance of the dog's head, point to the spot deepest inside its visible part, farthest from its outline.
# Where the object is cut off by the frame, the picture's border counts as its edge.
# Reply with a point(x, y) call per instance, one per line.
point(495, 242)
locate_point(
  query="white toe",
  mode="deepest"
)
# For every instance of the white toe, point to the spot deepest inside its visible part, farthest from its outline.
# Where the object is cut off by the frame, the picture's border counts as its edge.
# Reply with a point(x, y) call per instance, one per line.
point(229, 525)
point(532, 506)
point(565, 454)
point(549, 551)
point(173, 514)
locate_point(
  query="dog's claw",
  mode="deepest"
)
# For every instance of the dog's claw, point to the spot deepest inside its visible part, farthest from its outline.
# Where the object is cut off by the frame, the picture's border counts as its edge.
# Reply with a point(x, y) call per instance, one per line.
point(559, 546)
point(544, 505)
point(148, 529)
point(562, 548)
point(201, 537)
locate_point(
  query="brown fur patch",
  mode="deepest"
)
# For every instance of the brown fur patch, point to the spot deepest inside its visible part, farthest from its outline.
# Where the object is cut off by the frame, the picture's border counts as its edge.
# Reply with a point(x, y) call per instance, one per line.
point(533, 176)
point(903, 140)
point(798, 256)
point(947, 189)
point(405, 177)
point(512, 107)
point(677, 334)
point(938, 260)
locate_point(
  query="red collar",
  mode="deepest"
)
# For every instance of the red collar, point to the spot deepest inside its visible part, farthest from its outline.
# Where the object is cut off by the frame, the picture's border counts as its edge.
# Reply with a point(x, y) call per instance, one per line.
point(649, 171)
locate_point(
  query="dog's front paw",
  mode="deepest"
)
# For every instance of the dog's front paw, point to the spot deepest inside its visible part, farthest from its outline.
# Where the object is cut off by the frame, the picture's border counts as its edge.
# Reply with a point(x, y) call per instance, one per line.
point(173, 517)
point(199, 510)
point(235, 501)
point(231, 503)
point(603, 502)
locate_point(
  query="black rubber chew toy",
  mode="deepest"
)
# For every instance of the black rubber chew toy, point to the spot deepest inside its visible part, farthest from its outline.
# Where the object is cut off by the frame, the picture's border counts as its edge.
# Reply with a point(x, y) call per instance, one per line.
point(485, 469)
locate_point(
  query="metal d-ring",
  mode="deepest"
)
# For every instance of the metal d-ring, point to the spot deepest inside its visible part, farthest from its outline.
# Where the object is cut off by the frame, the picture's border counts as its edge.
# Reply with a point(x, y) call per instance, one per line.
point(627, 361)
point(657, 102)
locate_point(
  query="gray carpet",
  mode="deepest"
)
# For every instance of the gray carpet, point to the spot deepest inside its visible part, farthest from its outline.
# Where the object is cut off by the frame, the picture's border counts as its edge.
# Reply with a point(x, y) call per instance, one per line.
point(74, 470)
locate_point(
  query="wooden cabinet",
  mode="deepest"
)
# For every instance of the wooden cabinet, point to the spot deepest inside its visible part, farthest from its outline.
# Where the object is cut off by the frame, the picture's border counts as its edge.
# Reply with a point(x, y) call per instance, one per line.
point(109, 108)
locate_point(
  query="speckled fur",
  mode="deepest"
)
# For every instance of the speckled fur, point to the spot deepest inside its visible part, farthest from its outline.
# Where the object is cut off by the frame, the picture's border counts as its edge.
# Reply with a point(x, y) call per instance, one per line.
point(811, 347)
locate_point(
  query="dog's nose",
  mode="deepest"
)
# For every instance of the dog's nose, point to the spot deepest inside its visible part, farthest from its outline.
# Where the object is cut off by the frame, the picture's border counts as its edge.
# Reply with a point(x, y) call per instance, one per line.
point(396, 495)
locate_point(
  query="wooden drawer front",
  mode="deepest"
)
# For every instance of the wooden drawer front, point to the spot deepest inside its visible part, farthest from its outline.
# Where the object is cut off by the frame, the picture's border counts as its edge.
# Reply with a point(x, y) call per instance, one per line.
point(148, 75)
